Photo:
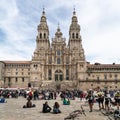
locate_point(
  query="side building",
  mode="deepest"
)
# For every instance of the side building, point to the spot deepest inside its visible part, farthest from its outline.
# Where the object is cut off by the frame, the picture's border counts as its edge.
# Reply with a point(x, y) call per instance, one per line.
point(15, 74)
point(59, 65)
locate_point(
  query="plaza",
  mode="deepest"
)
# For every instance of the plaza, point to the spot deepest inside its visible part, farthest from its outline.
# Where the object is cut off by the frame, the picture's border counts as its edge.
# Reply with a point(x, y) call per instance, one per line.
point(12, 110)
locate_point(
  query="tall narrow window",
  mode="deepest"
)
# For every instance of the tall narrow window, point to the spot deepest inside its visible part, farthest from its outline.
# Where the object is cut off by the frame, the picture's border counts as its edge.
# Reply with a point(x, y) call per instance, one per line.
point(76, 35)
point(67, 74)
point(49, 74)
point(16, 80)
point(58, 61)
point(23, 79)
point(105, 76)
point(9, 80)
point(44, 35)
point(73, 36)
point(98, 79)
point(40, 35)
point(58, 52)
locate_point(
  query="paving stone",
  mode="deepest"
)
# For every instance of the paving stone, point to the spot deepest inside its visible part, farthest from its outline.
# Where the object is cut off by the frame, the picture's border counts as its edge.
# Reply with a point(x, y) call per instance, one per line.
point(12, 110)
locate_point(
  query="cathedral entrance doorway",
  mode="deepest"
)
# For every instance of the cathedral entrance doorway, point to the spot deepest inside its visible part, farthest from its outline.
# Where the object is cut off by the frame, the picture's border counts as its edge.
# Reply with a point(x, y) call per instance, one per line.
point(58, 75)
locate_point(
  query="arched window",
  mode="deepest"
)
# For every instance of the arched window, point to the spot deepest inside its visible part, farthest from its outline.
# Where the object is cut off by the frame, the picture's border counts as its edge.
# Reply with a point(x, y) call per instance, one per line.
point(58, 61)
point(76, 35)
point(73, 36)
point(44, 35)
point(40, 35)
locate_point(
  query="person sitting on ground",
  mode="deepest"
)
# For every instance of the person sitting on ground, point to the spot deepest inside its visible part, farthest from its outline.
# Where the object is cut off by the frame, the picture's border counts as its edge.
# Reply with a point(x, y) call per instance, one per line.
point(46, 108)
point(66, 102)
point(29, 104)
point(56, 108)
point(2, 100)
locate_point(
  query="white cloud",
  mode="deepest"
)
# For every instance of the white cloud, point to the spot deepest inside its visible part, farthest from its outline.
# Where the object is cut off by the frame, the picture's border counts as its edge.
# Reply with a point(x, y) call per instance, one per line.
point(99, 20)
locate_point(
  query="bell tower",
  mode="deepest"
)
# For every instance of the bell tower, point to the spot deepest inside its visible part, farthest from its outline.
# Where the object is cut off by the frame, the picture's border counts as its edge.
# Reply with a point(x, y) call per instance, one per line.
point(42, 39)
point(77, 52)
point(39, 56)
point(75, 41)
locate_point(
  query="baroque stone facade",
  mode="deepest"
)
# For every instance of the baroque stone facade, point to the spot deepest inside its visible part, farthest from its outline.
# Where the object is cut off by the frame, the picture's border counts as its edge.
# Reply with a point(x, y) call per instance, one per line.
point(58, 65)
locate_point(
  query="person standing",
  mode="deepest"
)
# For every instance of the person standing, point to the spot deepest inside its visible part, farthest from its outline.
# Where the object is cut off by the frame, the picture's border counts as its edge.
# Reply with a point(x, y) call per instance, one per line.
point(100, 99)
point(107, 103)
point(90, 98)
point(117, 99)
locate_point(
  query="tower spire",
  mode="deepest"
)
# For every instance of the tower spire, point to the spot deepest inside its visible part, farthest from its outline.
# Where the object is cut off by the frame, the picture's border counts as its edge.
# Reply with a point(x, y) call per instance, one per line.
point(58, 34)
point(58, 29)
point(74, 12)
point(43, 13)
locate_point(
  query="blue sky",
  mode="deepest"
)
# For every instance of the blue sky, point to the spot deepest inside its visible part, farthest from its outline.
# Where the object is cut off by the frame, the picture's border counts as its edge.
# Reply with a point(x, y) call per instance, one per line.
point(99, 21)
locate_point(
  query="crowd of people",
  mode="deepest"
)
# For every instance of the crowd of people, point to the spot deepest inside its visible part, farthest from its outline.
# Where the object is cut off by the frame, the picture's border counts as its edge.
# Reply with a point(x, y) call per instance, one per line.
point(104, 98)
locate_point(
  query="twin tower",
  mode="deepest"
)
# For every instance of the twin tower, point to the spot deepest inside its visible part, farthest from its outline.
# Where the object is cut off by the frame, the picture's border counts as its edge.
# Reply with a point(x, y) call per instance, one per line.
point(59, 64)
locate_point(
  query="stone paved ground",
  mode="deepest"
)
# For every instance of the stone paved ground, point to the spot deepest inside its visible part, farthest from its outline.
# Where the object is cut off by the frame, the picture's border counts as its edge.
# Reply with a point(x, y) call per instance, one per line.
point(12, 110)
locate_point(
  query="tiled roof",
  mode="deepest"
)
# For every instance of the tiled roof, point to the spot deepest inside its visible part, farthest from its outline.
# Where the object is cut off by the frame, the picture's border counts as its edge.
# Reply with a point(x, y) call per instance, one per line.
point(17, 62)
point(103, 65)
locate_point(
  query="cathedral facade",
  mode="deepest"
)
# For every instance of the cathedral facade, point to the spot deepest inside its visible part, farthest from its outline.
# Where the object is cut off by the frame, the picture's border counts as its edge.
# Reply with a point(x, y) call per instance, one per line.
point(59, 65)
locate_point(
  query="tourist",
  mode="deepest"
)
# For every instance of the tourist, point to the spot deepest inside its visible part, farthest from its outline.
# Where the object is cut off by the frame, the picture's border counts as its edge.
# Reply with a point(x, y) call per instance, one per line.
point(100, 99)
point(30, 95)
point(29, 104)
point(90, 98)
point(66, 102)
point(56, 108)
point(2, 100)
point(46, 108)
point(117, 99)
point(107, 102)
